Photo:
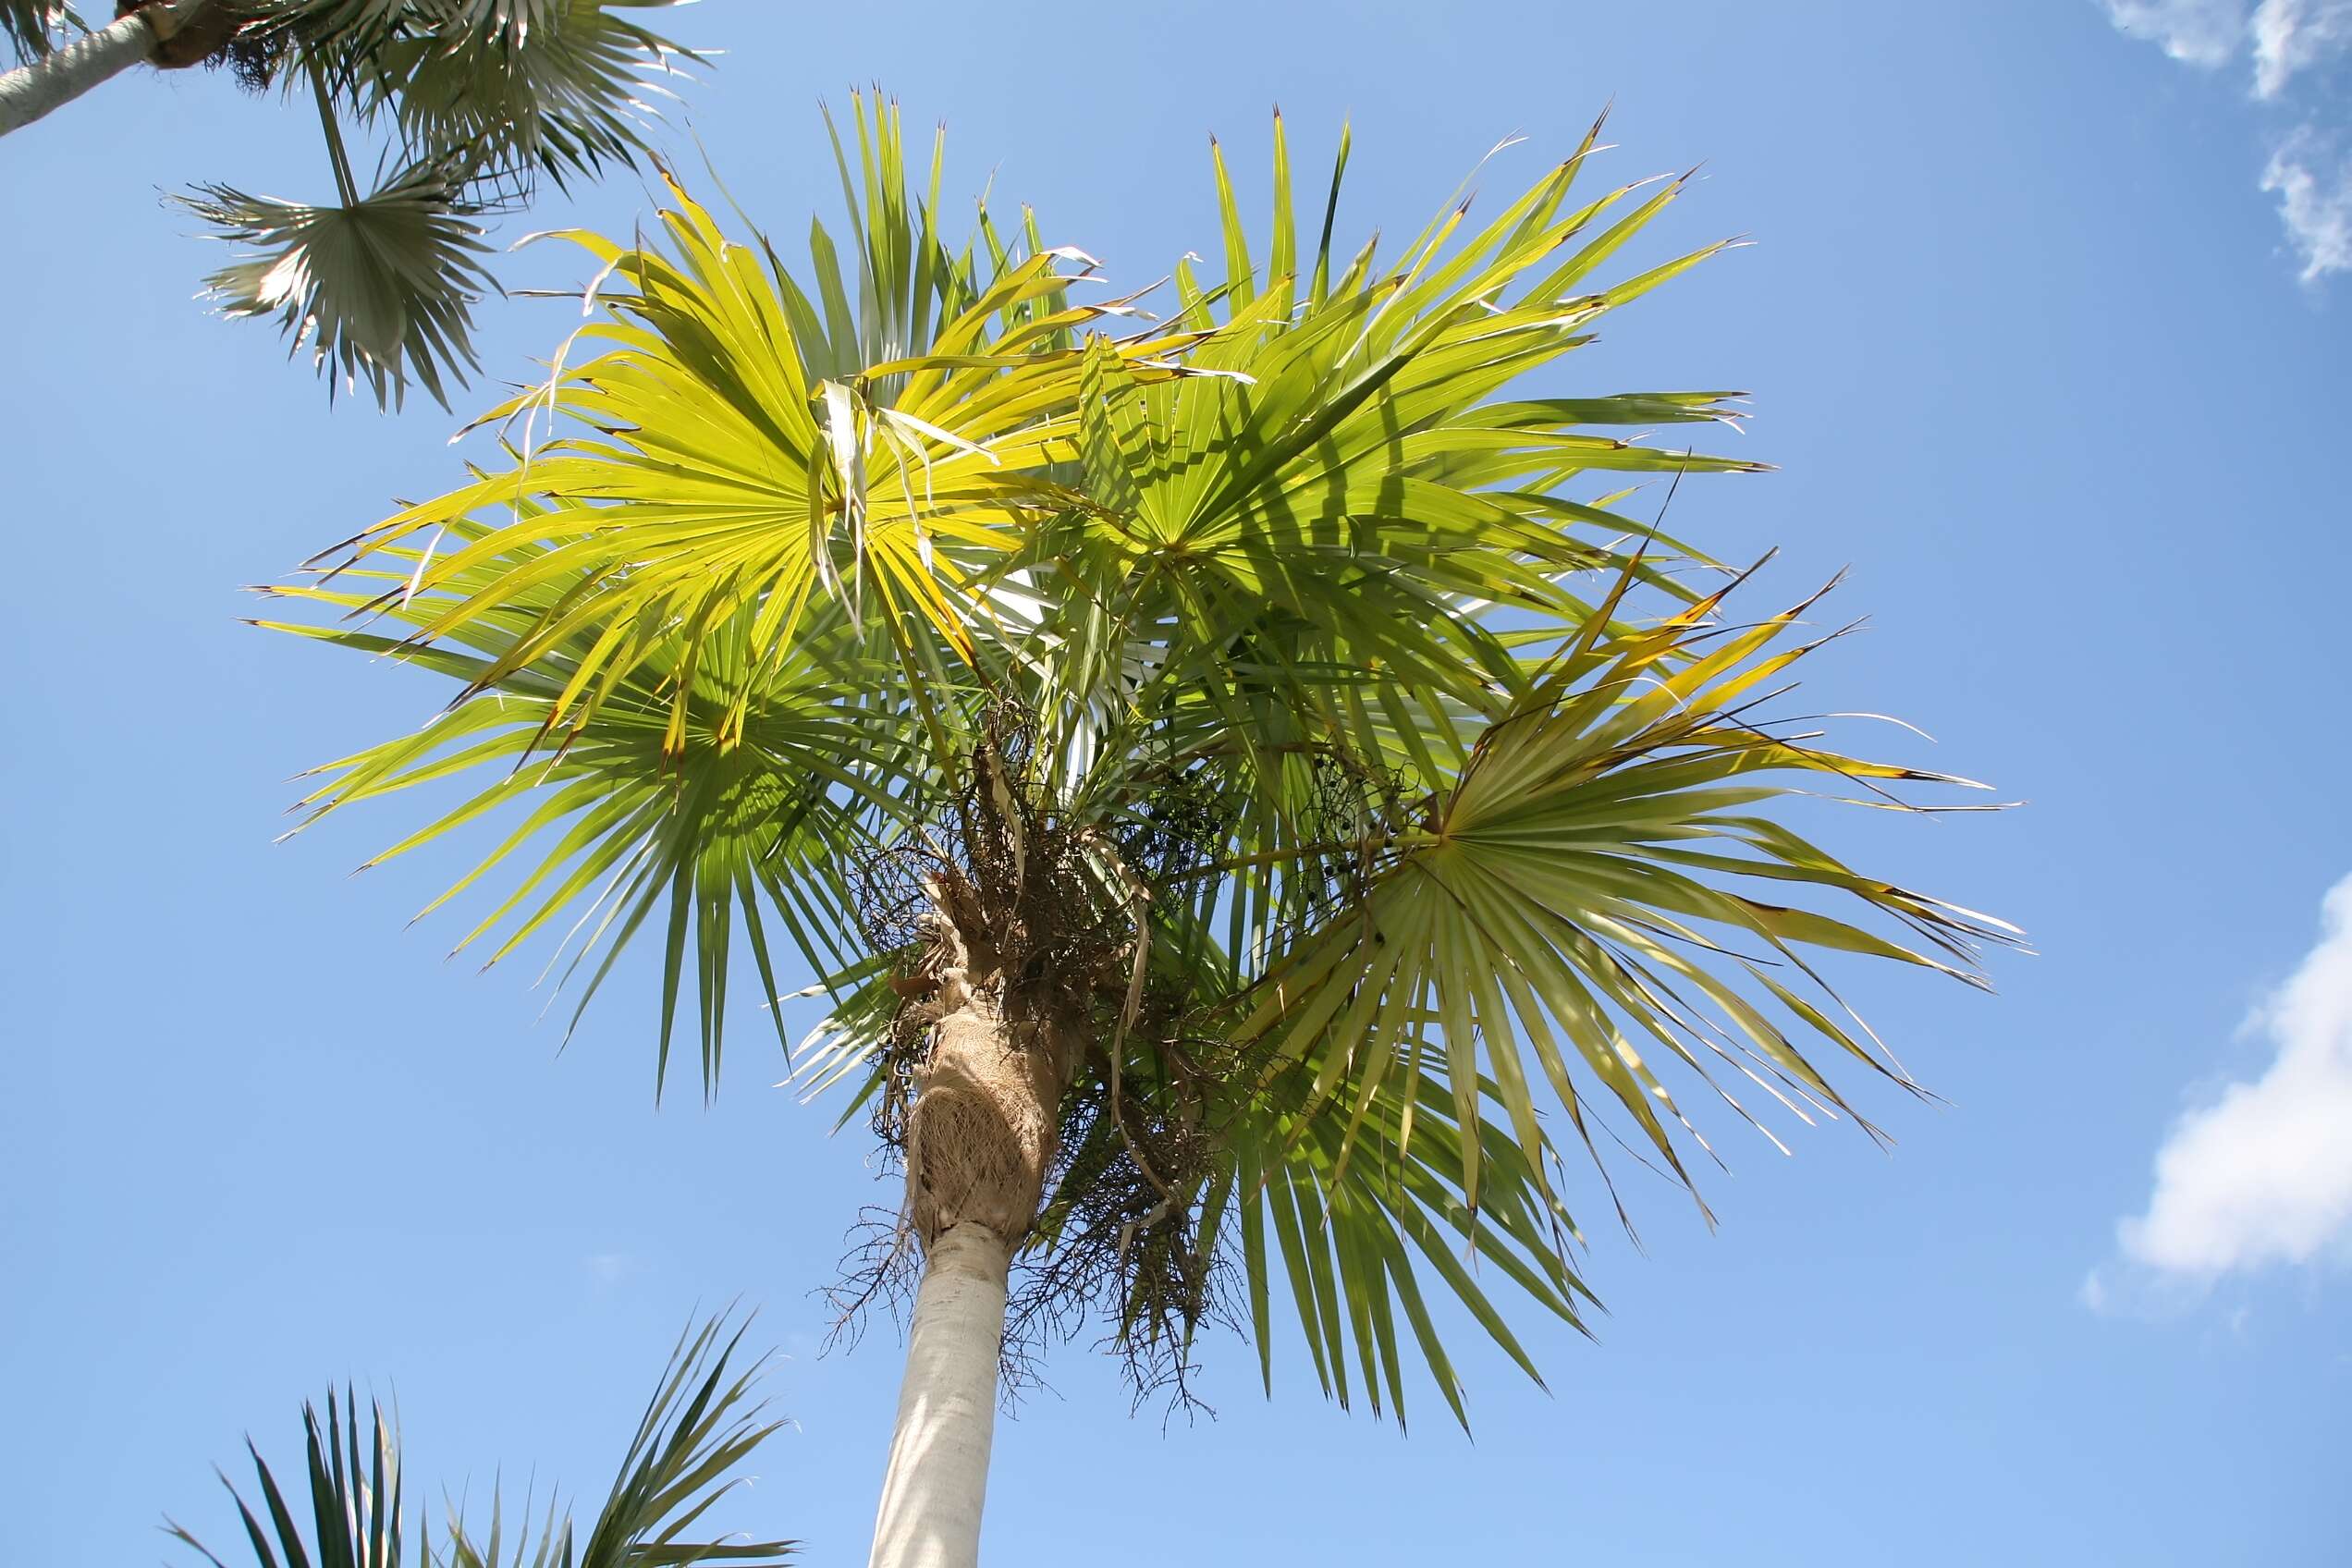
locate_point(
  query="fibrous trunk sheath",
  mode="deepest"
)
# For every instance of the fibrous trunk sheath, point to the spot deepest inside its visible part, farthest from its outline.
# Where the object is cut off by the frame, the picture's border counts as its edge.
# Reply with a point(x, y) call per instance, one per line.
point(59, 77)
point(979, 1140)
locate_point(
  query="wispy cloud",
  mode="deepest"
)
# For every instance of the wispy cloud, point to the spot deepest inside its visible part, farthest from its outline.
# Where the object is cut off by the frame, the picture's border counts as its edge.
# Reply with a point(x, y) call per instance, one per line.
point(2201, 32)
point(2262, 1174)
point(2291, 36)
point(2286, 42)
point(2313, 183)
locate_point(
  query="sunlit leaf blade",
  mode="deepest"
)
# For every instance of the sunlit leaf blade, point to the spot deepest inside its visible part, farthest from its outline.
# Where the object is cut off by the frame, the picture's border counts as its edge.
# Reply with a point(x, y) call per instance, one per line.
point(380, 289)
point(692, 473)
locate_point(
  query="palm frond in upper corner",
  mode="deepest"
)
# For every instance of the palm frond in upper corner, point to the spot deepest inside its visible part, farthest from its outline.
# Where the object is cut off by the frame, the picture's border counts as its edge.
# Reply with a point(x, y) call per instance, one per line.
point(381, 287)
point(554, 86)
point(32, 26)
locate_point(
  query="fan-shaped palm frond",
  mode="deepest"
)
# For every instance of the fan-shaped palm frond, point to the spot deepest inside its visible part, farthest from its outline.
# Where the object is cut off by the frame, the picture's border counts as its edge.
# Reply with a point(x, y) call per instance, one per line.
point(698, 1429)
point(1586, 863)
point(729, 473)
point(379, 287)
point(1599, 901)
point(558, 86)
point(747, 795)
point(339, 22)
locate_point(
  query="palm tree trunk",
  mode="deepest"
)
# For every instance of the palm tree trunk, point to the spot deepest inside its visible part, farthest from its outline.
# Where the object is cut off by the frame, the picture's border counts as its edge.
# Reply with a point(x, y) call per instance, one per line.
point(30, 92)
point(939, 1476)
point(980, 1137)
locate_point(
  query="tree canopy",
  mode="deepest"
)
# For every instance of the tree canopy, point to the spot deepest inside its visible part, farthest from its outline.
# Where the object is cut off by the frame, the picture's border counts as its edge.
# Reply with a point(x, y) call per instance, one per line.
point(1315, 719)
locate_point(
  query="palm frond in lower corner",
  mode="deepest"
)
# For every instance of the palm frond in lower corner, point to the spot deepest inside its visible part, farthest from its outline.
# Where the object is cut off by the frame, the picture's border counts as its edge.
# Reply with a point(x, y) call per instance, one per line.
point(700, 1424)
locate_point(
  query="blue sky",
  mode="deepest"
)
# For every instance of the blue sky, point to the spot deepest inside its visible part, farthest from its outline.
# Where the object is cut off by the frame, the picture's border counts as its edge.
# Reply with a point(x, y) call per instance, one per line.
point(2046, 328)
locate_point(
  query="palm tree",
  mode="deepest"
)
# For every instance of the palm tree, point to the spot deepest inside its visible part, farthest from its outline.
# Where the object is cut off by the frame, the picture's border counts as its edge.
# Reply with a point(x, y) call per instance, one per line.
point(698, 1426)
point(1247, 786)
point(474, 102)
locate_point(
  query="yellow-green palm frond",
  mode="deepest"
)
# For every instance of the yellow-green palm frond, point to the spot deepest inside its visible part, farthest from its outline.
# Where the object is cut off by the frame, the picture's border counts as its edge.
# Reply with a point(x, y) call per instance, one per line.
point(735, 808)
point(1351, 417)
point(712, 456)
point(1330, 513)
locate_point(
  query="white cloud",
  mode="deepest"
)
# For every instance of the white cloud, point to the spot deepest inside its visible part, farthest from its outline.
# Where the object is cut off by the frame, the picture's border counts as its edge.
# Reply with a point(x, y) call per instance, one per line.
point(2263, 1175)
point(2201, 32)
point(2311, 177)
point(2288, 36)
point(2294, 35)
point(2313, 183)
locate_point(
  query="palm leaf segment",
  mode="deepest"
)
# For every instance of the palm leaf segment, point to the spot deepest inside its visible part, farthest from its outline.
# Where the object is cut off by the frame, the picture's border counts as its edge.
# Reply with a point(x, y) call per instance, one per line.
point(1329, 681)
point(559, 87)
point(476, 99)
point(697, 1430)
point(31, 27)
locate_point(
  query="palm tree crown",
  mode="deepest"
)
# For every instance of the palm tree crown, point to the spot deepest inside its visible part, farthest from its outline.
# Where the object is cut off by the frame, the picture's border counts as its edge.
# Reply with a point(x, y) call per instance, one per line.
point(1338, 794)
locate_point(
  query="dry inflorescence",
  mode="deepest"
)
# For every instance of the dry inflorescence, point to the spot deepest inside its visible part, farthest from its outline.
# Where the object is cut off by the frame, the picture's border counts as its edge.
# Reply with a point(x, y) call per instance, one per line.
point(1004, 907)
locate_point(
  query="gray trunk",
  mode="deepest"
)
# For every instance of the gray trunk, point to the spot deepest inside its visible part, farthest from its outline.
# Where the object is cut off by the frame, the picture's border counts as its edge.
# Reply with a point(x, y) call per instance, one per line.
point(30, 92)
point(938, 1481)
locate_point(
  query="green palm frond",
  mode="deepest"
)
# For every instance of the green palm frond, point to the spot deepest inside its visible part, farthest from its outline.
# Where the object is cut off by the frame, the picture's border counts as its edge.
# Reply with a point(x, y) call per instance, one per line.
point(380, 286)
point(338, 22)
point(32, 26)
point(1603, 872)
point(1357, 1216)
point(559, 86)
point(1342, 406)
point(1340, 545)
point(744, 798)
point(357, 1510)
point(474, 100)
point(1601, 902)
point(699, 1428)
